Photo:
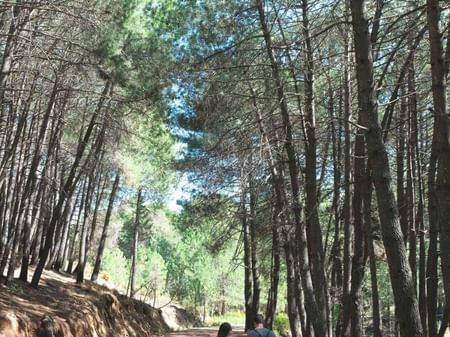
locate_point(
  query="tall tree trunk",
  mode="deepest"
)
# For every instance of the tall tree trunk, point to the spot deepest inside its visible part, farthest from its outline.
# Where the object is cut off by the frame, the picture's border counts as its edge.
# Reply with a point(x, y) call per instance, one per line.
point(89, 234)
point(28, 235)
point(343, 325)
point(43, 218)
point(54, 146)
point(411, 199)
point(412, 178)
point(314, 311)
point(293, 312)
point(102, 181)
point(134, 255)
point(361, 185)
point(253, 250)
point(441, 130)
point(67, 189)
point(15, 184)
point(248, 277)
point(335, 254)
point(401, 195)
point(278, 218)
point(274, 273)
point(31, 179)
point(62, 246)
point(81, 196)
point(17, 21)
point(421, 224)
point(400, 272)
point(3, 225)
point(85, 229)
point(300, 298)
point(376, 315)
point(101, 246)
point(416, 153)
point(313, 230)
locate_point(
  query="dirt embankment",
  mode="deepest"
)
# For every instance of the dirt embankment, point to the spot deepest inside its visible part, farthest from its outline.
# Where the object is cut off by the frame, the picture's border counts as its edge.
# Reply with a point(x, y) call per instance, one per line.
point(61, 308)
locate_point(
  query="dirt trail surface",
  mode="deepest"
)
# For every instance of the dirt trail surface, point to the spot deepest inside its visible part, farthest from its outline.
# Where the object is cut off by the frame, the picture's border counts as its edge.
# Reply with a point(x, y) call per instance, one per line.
point(67, 309)
point(204, 332)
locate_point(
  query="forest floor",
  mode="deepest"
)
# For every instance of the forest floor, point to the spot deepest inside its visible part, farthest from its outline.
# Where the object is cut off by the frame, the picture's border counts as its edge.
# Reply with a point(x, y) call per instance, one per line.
point(73, 310)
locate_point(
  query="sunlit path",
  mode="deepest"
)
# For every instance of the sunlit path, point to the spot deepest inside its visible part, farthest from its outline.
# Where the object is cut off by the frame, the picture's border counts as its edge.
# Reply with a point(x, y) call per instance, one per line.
point(204, 332)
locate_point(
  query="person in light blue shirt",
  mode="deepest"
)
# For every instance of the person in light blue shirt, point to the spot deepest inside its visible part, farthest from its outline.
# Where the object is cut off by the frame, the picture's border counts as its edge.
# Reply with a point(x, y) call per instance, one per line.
point(260, 330)
point(224, 330)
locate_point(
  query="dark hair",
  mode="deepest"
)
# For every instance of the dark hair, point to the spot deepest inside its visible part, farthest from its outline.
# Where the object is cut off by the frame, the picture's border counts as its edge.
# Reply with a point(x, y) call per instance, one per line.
point(224, 330)
point(259, 319)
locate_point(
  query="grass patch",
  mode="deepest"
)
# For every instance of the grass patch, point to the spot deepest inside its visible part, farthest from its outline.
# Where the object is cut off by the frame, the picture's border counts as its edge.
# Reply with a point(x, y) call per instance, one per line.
point(232, 317)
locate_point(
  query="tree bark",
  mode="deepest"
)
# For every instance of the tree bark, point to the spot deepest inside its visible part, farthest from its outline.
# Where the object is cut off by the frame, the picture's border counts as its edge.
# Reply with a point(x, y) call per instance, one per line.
point(401, 195)
point(361, 186)
point(313, 230)
point(292, 299)
point(400, 272)
point(84, 230)
point(101, 246)
point(441, 132)
point(316, 313)
point(376, 315)
point(274, 274)
point(81, 196)
point(248, 277)
point(335, 254)
point(134, 255)
point(67, 189)
point(253, 250)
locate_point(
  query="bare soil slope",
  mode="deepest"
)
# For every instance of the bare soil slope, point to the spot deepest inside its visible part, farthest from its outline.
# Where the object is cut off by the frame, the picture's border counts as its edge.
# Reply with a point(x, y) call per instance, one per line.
point(62, 308)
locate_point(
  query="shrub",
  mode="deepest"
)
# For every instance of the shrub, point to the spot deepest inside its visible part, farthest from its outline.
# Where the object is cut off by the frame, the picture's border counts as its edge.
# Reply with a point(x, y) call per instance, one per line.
point(281, 325)
point(117, 266)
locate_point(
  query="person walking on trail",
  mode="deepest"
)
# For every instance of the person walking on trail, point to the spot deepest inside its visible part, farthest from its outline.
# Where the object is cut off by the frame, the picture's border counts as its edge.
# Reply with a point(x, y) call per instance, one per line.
point(224, 330)
point(260, 330)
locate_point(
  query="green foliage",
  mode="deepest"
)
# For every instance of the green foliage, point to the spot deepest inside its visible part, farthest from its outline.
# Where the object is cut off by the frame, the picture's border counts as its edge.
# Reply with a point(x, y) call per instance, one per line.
point(126, 233)
point(384, 285)
point(117, 266)
point(233, 317)
point(281, 325)
point(152, 272)
point(193, 256)
point(199, 269)
point(186, 268)
point(127, 215)
point(147, 155)
point(153, 230)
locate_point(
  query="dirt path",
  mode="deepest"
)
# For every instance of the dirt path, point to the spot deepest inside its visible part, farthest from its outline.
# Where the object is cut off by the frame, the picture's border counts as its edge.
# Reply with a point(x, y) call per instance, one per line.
point(204, 332)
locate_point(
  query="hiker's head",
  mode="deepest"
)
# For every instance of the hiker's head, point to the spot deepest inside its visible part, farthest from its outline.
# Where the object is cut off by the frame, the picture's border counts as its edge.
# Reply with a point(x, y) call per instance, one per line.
point(224, 330)
point(45, 328)
point(259, 319)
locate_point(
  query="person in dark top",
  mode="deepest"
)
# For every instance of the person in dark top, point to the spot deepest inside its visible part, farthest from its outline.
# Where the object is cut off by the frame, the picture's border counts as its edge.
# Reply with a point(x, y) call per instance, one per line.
point(260, 330)
point(224, 330)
